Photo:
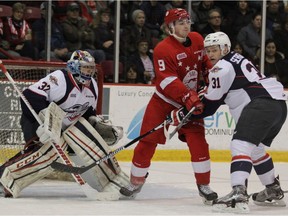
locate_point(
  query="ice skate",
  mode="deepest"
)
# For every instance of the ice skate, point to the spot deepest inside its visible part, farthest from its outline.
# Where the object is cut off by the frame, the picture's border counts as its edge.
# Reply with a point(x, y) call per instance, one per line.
point(272, 195)
point(207, 194)
point(130, 191)
point(136, 183)
point(236, 201)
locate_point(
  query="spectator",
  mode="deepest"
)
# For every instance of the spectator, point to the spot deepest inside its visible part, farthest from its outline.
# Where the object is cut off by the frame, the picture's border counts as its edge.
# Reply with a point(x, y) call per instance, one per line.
point(154, 13)
point(104, 33)
point(214, 23)
point(275, 63)
point(250, 36)
point(78, 34)
point(143, 60)
point(281, 38)
point(238, 48)
point(18, 34)
point(132, 75)
point(133, 33)
point(59, 50)
point(2, 42)
point(275, 16)
point(175, 4)
point(88, 9)
point(1, 28)
point(239, 18)
point(179, 4)
point(126, 8)
point(201, 11)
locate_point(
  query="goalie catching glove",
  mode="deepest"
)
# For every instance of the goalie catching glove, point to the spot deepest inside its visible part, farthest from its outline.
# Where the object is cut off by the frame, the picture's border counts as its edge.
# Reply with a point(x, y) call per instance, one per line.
point(110, 133)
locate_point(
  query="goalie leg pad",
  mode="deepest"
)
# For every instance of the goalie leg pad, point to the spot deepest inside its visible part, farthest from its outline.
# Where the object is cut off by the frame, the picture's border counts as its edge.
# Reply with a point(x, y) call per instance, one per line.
point(89, 146)
point(26, 168)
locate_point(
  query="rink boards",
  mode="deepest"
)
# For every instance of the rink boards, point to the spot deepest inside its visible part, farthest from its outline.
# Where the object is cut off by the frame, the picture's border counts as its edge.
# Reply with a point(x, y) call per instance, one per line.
point(125, 105)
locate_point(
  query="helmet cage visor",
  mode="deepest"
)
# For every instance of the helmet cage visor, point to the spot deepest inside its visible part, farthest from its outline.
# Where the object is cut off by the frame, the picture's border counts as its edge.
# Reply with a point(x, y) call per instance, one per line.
point(86, 71)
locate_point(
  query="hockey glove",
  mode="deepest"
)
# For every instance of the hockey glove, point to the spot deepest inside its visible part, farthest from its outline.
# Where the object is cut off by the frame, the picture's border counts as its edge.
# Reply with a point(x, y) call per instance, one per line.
point(110, 133)
point(191, 100)
point(176, 116)
point(44, 137)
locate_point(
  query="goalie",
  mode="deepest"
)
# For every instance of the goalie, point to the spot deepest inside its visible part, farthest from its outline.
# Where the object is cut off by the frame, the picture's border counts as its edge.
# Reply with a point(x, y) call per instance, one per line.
point(75, 91)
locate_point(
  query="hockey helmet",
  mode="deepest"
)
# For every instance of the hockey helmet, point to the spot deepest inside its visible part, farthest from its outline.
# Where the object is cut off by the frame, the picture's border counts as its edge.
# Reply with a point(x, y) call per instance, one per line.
point(82, 66)
point(175, 14)
point(218, 38)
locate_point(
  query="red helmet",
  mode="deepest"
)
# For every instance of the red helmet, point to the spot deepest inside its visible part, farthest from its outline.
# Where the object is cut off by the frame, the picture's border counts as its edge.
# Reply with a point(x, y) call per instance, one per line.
point(175, 14)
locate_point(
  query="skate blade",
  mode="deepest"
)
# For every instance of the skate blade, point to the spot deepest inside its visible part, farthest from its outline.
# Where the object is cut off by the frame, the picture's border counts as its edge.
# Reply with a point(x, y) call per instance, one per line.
point(240, 208)
point(123, 197)
point(207, 202)
point(275, 203)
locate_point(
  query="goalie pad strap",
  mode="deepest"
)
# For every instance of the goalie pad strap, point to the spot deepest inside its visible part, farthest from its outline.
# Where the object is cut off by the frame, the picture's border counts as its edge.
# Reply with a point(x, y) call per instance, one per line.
point(89, 146)
point(26, 168)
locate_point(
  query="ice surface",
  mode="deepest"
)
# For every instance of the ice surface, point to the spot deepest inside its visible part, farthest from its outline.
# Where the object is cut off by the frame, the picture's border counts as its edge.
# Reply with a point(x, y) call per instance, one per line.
point(170, 190)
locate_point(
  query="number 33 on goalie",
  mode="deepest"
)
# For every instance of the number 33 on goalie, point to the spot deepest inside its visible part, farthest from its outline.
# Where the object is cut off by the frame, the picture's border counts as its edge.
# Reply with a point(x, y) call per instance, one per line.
point(75, 91)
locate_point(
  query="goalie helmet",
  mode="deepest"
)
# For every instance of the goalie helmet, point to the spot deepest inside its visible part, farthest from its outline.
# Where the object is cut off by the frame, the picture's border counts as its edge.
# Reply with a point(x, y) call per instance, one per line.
point(82, 66)
point(218, 38)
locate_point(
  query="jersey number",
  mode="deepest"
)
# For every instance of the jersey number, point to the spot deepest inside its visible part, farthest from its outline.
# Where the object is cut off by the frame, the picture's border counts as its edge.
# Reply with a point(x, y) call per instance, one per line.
point(161, 65)
point(44, 87)
point(215, 82)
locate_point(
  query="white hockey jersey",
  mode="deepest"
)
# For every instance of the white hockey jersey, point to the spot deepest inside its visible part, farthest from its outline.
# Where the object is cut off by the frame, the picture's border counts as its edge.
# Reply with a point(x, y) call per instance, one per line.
point(61, 88)
point(235, 81)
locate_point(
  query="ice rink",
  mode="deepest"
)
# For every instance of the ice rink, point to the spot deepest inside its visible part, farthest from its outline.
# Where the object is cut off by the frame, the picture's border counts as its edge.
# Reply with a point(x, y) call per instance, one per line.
point(170, 190)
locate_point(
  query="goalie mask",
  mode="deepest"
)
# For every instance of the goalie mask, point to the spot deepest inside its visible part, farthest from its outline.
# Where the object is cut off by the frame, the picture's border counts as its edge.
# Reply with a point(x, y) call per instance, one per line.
point(82, 66)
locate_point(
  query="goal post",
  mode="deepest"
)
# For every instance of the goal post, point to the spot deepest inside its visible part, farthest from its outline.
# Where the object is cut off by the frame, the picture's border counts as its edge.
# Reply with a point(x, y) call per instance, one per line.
point(24, 74)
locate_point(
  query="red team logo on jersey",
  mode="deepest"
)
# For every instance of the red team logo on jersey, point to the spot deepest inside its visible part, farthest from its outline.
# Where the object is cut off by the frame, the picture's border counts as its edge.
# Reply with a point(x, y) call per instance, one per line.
point(190, 80)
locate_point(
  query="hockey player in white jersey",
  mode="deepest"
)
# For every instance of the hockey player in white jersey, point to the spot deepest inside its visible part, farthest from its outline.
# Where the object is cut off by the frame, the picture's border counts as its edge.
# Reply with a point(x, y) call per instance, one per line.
point(75, 91)
point(257, 103)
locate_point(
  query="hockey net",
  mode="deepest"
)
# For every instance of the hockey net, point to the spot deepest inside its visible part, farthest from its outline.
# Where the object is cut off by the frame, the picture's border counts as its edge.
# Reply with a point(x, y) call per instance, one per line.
point(24, 74)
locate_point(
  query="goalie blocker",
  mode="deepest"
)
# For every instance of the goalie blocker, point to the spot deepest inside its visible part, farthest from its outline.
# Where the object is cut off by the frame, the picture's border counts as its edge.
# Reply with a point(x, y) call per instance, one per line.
point(34, 163)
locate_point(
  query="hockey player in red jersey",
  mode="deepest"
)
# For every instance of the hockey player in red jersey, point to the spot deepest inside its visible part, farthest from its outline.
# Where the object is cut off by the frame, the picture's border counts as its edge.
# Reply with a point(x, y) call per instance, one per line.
point(257, 104)
point(179, 62)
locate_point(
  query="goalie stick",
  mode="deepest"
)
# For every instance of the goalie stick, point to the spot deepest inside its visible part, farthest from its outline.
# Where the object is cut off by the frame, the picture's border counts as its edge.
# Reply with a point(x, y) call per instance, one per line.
point(89, 191)
point(80, 170)
point(183, 122)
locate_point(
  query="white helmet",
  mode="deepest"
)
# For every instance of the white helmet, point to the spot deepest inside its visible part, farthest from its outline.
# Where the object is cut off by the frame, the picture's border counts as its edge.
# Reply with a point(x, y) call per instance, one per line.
point(218, 38)
point(82, 66)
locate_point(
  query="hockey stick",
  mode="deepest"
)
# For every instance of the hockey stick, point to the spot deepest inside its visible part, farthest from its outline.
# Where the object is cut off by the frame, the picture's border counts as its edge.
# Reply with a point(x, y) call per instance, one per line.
point(183, 122)
point(80, 170)
point(90, 192)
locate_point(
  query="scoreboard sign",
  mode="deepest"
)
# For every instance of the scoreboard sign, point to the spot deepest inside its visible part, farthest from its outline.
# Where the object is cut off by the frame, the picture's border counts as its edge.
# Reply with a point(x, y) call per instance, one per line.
point(10, 113)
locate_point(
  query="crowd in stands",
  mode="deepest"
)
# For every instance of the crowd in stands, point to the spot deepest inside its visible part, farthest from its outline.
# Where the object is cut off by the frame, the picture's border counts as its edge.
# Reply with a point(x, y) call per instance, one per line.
point(89, 25)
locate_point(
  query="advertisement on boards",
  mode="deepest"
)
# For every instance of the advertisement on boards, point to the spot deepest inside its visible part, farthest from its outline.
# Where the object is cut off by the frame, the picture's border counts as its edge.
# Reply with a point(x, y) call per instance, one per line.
point(125, 106)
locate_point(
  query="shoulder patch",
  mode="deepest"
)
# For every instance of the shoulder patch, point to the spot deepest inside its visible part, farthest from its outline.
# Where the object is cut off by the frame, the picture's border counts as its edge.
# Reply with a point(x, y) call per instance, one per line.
point(181, 56)
point(215, 69)
point(53, 79)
